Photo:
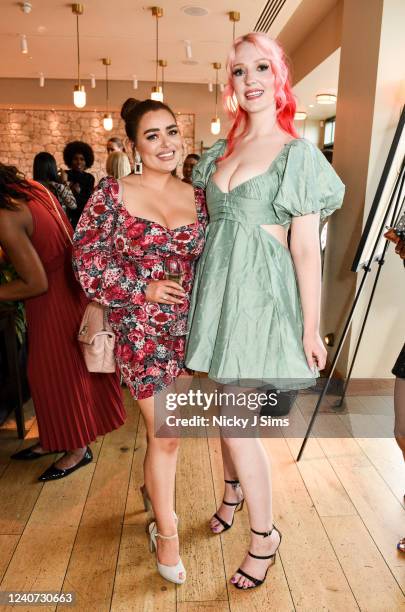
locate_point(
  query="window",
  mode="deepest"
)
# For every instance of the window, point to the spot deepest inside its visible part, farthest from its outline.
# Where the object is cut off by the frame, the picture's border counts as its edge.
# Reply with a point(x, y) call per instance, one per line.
point(329, 133)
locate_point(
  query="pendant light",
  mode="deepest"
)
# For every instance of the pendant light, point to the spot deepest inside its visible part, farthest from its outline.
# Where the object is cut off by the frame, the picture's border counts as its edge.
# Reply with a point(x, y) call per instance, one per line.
point(216, 122)
point(234, 16)
point(231, 102)
point(157, 91)
point(79, 93)
point(163, 65)
point(107, 119)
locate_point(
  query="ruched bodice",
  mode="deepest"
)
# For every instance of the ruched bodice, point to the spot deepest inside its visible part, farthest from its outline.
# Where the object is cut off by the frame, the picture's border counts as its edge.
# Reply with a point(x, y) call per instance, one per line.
point(245, 319)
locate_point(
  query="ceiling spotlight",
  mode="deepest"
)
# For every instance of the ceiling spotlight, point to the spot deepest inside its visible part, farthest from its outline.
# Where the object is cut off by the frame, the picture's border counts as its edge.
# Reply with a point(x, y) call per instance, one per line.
point(300, 116)
point(93, 81)
point(24, 44)
point(195, 11)
point(41, 79)
point(134, 82)
point(189, 51)
point(326, 98)
point(26, 7)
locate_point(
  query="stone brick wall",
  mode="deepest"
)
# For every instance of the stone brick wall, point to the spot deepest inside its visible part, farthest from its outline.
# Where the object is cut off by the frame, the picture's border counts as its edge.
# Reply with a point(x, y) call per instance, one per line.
point(24, 133)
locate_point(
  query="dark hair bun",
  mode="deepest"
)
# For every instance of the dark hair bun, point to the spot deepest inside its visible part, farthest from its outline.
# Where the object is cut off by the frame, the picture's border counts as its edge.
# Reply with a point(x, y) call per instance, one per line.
point(127, 108)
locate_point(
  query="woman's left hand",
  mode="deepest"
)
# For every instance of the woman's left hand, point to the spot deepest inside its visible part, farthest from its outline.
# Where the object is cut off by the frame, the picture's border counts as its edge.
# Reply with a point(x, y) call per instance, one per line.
point(315, 352)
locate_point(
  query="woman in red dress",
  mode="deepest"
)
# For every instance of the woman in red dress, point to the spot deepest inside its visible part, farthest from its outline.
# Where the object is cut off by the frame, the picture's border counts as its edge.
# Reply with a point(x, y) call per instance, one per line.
point(72, 406)
point(127, 231)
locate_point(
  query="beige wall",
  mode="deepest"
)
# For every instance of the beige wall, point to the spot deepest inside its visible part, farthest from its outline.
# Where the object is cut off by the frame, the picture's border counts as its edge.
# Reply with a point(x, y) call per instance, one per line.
point(385, 332)
point(367, 111)
point(183, 98)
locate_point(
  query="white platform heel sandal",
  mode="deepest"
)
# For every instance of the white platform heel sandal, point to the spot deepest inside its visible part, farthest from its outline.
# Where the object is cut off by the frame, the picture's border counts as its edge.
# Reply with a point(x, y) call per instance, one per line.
point(172, 573)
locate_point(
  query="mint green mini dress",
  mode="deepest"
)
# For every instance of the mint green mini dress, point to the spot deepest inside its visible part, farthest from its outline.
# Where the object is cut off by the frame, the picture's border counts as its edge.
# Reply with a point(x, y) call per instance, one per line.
point(245, 323)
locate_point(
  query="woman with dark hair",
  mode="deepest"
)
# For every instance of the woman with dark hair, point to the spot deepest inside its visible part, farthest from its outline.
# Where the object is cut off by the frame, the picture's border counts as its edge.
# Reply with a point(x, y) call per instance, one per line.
point(72, 406)
point(45, 172)
point(254, 317)
point(79, 156)
point(190, 161)
point(130, 234)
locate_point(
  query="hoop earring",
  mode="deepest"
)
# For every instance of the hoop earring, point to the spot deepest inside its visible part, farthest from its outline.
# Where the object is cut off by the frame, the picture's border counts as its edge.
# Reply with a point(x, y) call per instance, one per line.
point(138, 163)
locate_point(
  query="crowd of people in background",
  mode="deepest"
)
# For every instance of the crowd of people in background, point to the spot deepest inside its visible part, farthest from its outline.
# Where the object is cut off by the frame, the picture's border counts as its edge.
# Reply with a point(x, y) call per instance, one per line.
point(74, 186)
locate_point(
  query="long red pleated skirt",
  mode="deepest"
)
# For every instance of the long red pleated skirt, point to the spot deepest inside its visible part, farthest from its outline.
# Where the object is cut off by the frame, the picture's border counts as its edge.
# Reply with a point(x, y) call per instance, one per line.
point(72, 406)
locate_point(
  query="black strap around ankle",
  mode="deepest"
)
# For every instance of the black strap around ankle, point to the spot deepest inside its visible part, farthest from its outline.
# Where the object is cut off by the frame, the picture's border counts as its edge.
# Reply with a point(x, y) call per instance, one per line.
point(265, 534)
point(232, 482)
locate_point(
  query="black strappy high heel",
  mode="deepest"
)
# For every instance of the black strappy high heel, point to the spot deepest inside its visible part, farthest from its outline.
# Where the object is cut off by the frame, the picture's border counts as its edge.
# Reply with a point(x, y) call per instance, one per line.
point(256, 581)
point(238, 507)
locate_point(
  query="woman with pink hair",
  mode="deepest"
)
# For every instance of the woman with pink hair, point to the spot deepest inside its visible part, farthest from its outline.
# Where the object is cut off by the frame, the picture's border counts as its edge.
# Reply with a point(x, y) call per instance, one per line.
point(254, 317)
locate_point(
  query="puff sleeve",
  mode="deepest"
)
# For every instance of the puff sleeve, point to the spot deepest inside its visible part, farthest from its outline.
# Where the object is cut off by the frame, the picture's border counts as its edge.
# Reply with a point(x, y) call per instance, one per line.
point(308, 184)
point(105, 276)
point(206, 166)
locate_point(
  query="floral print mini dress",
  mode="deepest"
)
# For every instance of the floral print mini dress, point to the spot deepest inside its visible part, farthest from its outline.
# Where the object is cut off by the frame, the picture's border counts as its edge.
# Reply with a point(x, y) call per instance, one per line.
point(115, 256)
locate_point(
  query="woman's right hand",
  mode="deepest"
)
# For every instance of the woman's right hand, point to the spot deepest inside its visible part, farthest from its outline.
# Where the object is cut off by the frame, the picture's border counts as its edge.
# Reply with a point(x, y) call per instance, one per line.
point(164, 292)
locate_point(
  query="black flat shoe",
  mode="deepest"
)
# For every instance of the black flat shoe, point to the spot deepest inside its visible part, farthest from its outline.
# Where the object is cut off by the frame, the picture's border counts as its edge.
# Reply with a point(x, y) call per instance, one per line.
point(54, 473)
point(28, 454)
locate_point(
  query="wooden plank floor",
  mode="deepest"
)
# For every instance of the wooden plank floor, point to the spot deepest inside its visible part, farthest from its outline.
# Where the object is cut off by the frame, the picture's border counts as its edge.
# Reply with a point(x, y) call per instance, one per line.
point(340, 510)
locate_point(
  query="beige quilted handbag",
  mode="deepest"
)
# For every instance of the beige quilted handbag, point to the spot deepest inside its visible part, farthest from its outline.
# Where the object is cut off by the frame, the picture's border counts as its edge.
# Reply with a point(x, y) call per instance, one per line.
point(97, 339)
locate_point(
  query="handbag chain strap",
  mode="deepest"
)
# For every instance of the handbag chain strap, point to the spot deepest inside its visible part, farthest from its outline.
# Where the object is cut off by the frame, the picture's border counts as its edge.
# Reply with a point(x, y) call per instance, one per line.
point(54, 206)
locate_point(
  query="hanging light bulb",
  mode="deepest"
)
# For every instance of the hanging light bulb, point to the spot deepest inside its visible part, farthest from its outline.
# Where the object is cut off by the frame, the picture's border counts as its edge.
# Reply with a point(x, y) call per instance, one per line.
point(221, 87)
point(107, 119)
point(216, 122)
point(93, 81)
point(41, 79)
point(24, 44)
point(134, 82)
point(157, 94)
point(210, 87)
point(215, 126)
point(108, 122)
point(79, 96)
point(79, 92)
point(157, 91)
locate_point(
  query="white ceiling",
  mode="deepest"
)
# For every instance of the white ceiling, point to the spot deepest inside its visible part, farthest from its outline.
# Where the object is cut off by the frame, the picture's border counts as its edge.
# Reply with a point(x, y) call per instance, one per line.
point(125, 31)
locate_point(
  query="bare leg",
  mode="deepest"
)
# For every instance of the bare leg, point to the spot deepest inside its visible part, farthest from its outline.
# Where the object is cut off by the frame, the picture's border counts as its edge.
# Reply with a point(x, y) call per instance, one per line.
point(160, 471)
point(231, 493)
point(250, 460)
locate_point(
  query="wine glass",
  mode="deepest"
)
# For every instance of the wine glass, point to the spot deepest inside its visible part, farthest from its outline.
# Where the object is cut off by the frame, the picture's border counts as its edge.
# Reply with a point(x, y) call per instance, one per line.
point(174, 271)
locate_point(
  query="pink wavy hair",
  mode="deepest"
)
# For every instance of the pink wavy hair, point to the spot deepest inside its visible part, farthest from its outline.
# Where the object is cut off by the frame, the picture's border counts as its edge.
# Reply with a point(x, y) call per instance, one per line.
point(284, 98)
